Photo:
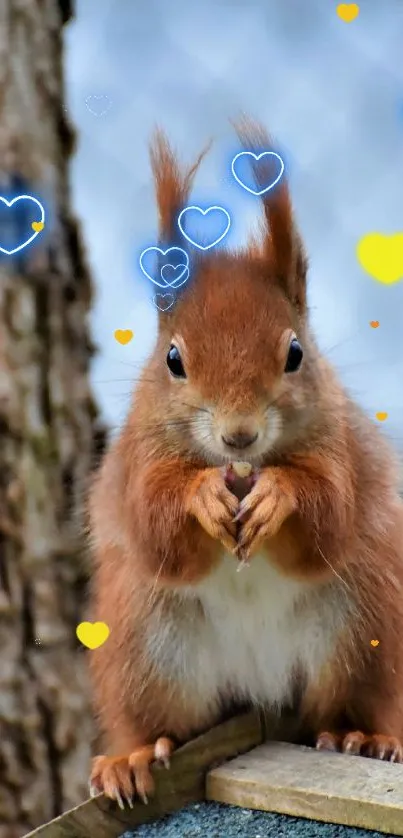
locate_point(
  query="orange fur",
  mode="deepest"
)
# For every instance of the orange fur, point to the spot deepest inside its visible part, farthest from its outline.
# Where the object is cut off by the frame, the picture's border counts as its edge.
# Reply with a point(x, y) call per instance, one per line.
point(172, 186)
point(324, 509)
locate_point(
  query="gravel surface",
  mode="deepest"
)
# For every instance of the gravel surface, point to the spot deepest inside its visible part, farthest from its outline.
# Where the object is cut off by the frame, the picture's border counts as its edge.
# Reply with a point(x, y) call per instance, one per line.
point(212, 820)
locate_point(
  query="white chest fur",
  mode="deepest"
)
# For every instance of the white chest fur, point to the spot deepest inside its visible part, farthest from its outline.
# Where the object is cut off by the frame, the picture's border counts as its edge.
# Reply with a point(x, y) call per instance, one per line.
point(244, 633)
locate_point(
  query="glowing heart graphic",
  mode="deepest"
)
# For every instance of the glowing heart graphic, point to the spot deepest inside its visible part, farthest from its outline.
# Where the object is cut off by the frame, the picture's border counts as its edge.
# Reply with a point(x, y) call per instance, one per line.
point(164, 301)
point(179, 280)
point(92, 635)
point(225, 217)
point(28, 241)
point(381, 416)
point(257, 157)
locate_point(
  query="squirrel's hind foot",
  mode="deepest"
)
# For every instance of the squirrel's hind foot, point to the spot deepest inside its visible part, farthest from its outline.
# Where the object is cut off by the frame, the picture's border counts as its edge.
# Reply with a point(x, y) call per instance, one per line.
point(376, 746)
point(122, 778)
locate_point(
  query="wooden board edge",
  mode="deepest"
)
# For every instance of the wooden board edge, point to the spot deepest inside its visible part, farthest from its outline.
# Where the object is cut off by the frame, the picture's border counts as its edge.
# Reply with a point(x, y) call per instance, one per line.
point(182, 784)
point(309, 805)
point(304, 803)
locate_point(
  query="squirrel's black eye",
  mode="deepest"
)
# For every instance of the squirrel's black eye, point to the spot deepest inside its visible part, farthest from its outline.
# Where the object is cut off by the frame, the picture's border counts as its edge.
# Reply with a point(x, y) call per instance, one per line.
point(295, 355)
point(174, 362)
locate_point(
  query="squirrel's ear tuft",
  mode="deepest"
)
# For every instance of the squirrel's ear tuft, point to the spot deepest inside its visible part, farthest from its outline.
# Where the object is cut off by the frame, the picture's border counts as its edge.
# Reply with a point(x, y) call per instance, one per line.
point(282, 243)
point(172, 183)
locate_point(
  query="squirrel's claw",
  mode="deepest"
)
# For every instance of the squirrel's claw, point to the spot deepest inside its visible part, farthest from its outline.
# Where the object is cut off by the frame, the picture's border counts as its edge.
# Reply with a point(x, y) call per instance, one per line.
point(94, 791)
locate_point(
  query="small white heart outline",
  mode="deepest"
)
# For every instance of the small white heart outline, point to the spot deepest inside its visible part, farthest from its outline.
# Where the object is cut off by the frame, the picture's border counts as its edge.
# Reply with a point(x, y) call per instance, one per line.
point(163, 295)
point(98, 96)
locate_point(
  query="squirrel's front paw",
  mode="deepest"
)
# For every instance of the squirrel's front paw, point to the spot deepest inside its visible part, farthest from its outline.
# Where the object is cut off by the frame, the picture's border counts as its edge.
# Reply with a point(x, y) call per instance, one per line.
point(214, 506)
point(263, 511)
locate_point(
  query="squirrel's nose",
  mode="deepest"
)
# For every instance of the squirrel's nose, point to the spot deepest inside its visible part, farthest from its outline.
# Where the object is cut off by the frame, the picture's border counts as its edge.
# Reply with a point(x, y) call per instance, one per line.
point(240, 439)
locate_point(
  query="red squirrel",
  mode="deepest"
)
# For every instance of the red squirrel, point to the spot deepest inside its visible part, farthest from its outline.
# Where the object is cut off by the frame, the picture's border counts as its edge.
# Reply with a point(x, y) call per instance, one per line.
point(236, 375)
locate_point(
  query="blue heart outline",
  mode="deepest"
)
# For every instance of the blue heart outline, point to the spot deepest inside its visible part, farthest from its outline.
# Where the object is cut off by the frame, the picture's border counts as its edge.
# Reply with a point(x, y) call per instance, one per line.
point(175, 283)
point(36, 233)
point(165, 284)
point(257, 157)
point(204, 212)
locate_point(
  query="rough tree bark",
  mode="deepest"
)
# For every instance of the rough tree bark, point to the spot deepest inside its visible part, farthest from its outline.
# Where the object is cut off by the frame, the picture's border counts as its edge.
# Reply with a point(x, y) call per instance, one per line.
point(47, 424)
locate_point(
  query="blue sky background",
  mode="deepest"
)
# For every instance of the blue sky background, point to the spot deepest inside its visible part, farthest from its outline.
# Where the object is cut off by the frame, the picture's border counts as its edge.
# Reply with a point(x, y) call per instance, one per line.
point(332, 95)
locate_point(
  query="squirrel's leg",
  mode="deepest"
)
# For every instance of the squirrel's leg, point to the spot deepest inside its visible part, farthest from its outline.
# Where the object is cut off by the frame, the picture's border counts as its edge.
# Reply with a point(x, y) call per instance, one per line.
point(130, 711)
point(163, 523)
point(357, 708)
point(372, 725)
point(140, 711)
point(129, 705)
point(133, 712)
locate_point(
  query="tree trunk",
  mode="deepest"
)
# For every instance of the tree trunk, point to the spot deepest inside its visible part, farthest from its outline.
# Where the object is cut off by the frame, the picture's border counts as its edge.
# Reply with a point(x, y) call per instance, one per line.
point(47, 432)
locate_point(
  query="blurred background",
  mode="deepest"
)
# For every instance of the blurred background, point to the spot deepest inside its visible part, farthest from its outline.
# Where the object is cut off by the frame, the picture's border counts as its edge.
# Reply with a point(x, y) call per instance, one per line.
point(82, 85)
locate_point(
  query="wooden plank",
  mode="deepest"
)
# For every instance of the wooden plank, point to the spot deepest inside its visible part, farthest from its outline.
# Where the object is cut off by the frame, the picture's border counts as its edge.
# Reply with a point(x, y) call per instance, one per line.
point(183, 783)
point(299, 781)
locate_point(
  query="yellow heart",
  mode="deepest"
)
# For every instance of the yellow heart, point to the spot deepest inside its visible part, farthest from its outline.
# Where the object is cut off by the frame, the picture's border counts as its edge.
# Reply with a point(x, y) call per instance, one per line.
point(123, 335)
point(374, 642)
point(348, 11)
point(382, 256)
point(381, 416)
point(37, 226)
point(92, 635)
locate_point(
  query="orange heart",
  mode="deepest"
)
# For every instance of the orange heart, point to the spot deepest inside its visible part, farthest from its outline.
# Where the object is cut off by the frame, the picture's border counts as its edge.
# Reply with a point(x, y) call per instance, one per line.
point(123, 335)
point(374, 324)
point(374, 642)
point(348, 11)
point(381, 416)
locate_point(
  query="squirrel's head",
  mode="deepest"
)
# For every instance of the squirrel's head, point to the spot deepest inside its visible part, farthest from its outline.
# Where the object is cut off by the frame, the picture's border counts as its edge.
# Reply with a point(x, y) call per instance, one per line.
point(234, 364)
